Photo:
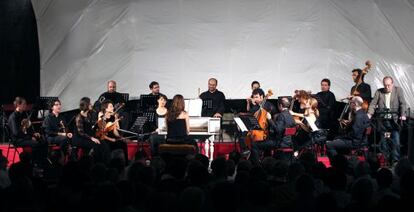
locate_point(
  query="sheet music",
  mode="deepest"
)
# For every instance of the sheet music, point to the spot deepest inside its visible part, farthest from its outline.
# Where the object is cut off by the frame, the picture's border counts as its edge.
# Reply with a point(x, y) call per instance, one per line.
point(241, 125)
point(311, 122)
point(193, 107)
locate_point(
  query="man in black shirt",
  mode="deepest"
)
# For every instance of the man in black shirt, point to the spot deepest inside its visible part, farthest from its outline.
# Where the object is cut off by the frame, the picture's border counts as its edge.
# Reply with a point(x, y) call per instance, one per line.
point(22, 134)
point(356, 130)
point(326, 100)
point(217, 97)
point(282, 121)
point(363, 90)
point(55, 127)
point(117, 99)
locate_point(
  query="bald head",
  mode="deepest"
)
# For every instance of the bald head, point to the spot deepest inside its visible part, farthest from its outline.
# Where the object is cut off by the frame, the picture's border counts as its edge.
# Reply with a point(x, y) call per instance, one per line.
point(356, 102)
point(388, 83)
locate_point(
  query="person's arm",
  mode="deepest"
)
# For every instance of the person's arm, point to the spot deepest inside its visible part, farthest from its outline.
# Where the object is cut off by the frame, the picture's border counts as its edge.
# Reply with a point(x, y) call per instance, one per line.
point(221, 107)
point(373, 104)
point(402, 103)
point(13, 126)
point(187, 123)
point(81, 128)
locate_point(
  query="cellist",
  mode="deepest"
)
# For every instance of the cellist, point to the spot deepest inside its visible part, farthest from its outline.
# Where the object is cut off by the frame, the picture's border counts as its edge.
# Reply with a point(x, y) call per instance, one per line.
point(108, 123)
point(258, 139)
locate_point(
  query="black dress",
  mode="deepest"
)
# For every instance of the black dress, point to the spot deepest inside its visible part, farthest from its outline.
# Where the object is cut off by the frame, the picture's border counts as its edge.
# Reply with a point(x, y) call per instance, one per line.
point(177, 133)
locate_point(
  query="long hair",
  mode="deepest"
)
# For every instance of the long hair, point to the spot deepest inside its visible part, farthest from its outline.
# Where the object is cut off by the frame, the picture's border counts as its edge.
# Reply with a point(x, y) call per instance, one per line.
point(177, 107)
point(84, 104)
point(105, 104)
point(314, 106)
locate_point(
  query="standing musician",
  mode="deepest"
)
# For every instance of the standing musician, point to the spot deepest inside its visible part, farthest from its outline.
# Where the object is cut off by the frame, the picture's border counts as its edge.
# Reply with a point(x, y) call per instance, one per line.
point(355, 131)
point(326, 106)
point(22, 133)
point(155, 88)
point(390, 98)
point(361, 88)
point(117, 99)
point(55, 127)
point(258, 139)
point(108, 123)
point(217, 97)
point(84, 135)
point(249, 100)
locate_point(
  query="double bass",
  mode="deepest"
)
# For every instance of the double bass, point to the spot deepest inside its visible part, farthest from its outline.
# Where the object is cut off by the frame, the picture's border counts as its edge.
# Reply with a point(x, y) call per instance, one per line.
point(261, 116)
point(354, 92)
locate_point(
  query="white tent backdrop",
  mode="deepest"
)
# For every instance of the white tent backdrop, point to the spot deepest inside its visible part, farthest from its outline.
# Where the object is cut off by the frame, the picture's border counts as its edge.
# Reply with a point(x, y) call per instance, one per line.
point(284, 44)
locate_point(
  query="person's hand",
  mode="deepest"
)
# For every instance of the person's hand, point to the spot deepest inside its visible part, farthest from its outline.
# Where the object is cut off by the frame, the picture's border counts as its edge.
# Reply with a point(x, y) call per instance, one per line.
point(217, 115)
point(69, 135)
point(95, 140)
point(268, 116)
point(248, 100)
point(369, 115)
point(291, 113)
point(36, 135)
point(403, 118)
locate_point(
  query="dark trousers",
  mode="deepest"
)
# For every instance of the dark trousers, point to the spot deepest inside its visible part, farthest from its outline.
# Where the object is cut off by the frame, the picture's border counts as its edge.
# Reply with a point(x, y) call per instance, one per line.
point(100, 151)
point(261, 146)
point(156, 140)
point(332, 147)
point(39, 148)
point(61, 141)
point(390, 146)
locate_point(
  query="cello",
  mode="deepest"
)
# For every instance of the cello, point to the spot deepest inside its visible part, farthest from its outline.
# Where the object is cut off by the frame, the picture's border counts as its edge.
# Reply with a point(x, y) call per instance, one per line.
point(261, 116)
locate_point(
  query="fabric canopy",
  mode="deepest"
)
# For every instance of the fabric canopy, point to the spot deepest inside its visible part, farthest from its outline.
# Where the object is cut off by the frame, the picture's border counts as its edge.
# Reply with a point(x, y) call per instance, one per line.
point(284, 44)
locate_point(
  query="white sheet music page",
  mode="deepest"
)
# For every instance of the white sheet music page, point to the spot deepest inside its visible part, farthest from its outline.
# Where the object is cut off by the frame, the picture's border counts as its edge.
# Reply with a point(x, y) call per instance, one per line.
point(241, 125)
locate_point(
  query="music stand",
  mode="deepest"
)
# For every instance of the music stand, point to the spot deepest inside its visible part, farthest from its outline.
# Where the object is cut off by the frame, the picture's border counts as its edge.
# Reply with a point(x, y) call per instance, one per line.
point(246, 123)
point(380, 115)
point(148, 102)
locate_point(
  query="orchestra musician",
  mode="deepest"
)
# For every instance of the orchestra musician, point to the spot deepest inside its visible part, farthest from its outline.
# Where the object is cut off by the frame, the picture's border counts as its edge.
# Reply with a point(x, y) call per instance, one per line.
point(361, 88)
point(84, 134)
point(259, 140)
point(117, 100)
point(160, 112)
point(389, 98)
point(306, 119)
point(217, 98)
point(280, 122)
point(54, 127)
point(155, 88)
point(108, 124)
point(178, 123)
point(326, 106)
point(22, 132)
point(249, 100)
point(355, 131)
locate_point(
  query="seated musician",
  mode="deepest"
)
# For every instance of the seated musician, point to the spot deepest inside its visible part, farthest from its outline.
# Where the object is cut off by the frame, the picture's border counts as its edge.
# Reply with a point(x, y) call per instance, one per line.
point(55, 127)
point(355, 131)
point(307, 119)
point(266, 144)
point(161, 111)
point(108, 123)
point(249, 100)
point(217, 98)
point(281, 121)
point(84, 134)
point(177, 122)
point(22, 133)
point(117, 100)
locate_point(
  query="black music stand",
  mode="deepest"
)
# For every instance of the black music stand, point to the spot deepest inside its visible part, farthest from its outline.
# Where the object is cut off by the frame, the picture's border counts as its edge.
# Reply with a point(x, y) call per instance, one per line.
point(245, 123)
point(379, 116)
point(149, 102)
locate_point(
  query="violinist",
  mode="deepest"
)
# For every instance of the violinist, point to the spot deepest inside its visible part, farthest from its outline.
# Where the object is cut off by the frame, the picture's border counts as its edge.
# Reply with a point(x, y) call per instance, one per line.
point(307, 119)
point(108, 123)
point(117, 100)
point(22, 133)
point(55, 127)
point(84, 136)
